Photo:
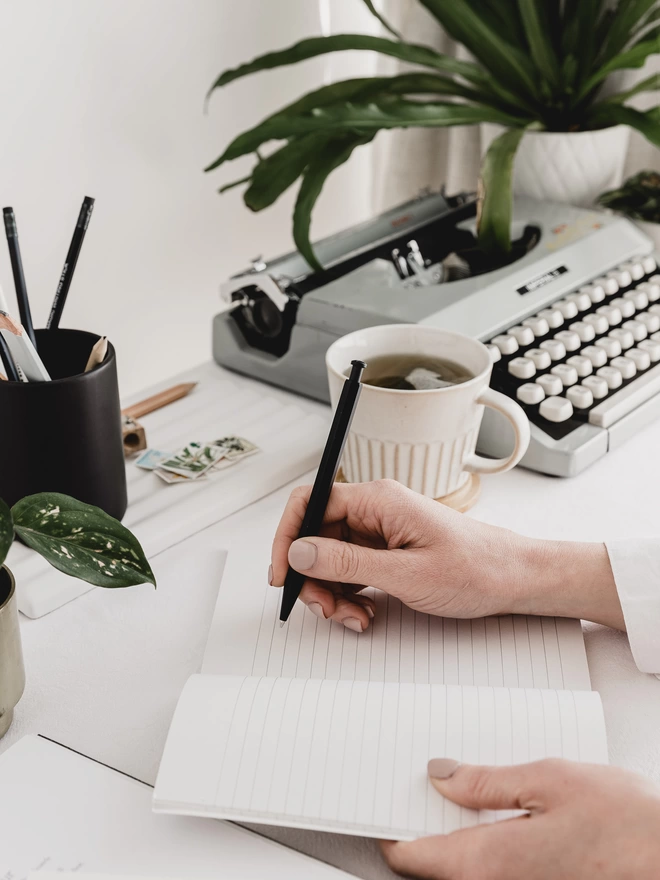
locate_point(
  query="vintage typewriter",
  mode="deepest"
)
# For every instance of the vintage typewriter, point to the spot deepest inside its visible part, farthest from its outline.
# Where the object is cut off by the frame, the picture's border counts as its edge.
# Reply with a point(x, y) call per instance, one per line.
point(572, 321)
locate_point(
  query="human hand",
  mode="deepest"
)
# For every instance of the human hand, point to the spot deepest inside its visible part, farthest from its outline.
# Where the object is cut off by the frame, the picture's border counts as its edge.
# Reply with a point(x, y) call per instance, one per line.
point(434, 559)
point(585, 821)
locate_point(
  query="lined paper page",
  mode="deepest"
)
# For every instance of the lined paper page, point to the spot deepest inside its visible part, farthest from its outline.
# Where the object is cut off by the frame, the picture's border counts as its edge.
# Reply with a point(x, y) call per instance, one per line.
point(351, 756)
point(400, 645)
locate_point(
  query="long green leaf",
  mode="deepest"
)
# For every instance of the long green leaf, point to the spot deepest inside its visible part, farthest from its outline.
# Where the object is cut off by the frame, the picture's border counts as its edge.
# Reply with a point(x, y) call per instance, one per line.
point(503, 17)
point(537, 31)
point(650, 84)
point(631, 58)
point(6, 531)
point(312, 48)
point(275, 174)
point(495, 192)
point(381, 18)
point(81, 540)
point(578, 37)
point(507, 63)
point(647, 123)
point(622, 25)
point(373, 116)
point(335, 153)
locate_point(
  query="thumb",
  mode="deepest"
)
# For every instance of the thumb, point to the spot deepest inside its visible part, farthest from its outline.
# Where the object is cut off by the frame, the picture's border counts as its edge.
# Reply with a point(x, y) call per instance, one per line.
point(520, 787)
point(327, 559)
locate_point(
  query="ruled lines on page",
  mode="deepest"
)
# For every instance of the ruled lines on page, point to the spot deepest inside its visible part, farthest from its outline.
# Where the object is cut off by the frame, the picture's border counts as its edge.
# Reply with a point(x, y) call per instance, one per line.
point(351, 756)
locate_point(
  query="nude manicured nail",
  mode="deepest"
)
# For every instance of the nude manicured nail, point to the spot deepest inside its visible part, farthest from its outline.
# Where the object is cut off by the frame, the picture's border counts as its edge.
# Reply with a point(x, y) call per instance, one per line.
point(442, 768)
point(317, 608)
point(370, 611)
point(302, 555)
point(270, 575)
point(352, 623)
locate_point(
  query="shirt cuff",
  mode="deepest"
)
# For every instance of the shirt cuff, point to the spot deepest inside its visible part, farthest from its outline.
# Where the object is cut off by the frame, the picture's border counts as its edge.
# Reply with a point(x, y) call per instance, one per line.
point(636, 568)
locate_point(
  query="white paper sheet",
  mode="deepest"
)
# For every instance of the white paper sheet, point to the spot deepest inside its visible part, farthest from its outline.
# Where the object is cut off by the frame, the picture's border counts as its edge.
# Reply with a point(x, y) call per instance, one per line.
point(351, 756)
point(61, 812)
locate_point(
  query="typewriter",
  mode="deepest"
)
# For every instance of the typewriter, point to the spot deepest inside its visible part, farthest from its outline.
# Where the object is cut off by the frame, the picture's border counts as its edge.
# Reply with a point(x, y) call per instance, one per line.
point(572, 320)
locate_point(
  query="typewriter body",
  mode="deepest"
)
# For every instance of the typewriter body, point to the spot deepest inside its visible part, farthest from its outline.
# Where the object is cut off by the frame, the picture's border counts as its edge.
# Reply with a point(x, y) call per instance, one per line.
point(572, 323)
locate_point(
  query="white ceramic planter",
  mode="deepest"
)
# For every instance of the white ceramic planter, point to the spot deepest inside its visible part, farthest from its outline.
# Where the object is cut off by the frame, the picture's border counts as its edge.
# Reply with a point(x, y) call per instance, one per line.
point(573, 167)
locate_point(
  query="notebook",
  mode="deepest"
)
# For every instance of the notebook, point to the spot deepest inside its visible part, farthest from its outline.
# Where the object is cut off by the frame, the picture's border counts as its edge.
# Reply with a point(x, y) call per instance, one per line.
point(62, 813)
point(290, 432)
point(314, 726)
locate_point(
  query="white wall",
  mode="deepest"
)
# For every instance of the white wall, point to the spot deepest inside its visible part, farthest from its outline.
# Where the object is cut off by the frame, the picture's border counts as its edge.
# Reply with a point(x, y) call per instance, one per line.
point(105, 98)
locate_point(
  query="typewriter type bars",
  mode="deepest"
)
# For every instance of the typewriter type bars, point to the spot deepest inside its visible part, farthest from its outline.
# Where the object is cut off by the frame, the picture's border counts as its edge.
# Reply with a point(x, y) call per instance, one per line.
point(591, 356)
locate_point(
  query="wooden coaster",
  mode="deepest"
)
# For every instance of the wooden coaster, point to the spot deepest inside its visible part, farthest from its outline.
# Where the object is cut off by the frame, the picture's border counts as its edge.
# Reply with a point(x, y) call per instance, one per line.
point(461, 500)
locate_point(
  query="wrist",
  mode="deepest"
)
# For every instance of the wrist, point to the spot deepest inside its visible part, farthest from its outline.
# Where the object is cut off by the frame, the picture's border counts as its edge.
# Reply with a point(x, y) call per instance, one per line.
point(567, 579)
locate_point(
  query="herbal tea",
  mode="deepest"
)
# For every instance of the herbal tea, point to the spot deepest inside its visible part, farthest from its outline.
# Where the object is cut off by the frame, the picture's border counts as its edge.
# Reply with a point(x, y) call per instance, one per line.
point(409, 372)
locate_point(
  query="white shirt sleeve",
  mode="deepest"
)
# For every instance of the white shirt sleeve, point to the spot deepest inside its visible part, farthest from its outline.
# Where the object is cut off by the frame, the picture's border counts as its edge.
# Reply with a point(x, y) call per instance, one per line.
point(636, 568)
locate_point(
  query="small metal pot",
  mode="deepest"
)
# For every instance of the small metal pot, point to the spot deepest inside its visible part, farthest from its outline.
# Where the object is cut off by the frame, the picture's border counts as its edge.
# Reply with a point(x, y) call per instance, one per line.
point(12, 672)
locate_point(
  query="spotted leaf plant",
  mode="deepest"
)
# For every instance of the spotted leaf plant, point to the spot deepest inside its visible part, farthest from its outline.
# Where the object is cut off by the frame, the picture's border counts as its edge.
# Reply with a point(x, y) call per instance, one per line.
point(77, 539)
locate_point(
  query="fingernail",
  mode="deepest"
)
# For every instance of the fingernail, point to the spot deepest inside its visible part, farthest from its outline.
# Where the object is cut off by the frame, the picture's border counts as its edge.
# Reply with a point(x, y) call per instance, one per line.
point(352, 623)
point(270, 575)
point(302, 555)
point(317, 608)
point(442, 768)
point(370, 611)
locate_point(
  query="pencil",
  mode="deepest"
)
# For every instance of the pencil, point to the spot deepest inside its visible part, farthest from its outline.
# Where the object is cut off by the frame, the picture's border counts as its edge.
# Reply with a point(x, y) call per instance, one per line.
point(11, 231)
point(8, 361)
point(70, 263)
point(325, 478)
point(163, 398)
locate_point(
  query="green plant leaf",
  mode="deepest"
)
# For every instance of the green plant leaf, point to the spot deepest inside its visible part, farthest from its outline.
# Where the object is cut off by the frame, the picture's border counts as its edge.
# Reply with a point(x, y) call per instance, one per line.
point(495, 192)
point(650, 84)
point(376, 115)
point(631, 58)
point(6, 531)
point(234, 183)
point(647, 123)
point(534, 14)
point(621, 26)
point(336, 151)
point(381, 18)
point(81, 540)
point(276, 173)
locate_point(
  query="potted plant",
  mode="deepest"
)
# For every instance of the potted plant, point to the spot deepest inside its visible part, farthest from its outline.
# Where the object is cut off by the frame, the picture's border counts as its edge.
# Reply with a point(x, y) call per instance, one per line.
point(539, 66)
point(79, 540)
point(639, 199)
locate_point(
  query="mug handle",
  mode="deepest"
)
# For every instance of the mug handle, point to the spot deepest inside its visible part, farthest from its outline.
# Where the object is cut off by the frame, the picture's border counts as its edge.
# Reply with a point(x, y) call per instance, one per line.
point(477, 464)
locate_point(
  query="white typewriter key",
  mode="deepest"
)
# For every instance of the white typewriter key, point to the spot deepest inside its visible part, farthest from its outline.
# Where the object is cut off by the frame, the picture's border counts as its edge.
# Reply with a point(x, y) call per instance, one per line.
point(638, 297)
point(635, 268)
point(567, 308)
point(651, 290)
point(495, 353)
point(555, 349)
point(506, 344)
point(566, 373)
point(650, 320)
point(595, 292)
point(611, 375)
point(597, 386)
point(654, 310)
point(550, 384)
point(585, 331)
point(581, 300)
point(611, 347)
point(610, 285)
point(651, 348)
point(556, 409)
point(622, 277)
point(540, 356)
point(580, 397)
point(649, 265)
point(583, 365)
point(641, 358)
point(522, 335)
point(637, 328)
point(625, 366)
point(554, 317)
point(538, 326)
point(596, 354)
point(626, 307)
point(569, 339)
point(598, 322)
point(612, 314)
point(522, 368)
point(530, 393)
point(625, 337)
point(655, 336)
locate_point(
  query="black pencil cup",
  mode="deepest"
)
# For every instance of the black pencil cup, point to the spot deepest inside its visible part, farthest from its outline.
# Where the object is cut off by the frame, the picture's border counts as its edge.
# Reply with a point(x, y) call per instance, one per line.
point(64, 435)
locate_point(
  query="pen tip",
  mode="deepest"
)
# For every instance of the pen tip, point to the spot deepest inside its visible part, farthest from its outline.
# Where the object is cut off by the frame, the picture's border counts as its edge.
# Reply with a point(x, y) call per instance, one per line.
point(282, 622)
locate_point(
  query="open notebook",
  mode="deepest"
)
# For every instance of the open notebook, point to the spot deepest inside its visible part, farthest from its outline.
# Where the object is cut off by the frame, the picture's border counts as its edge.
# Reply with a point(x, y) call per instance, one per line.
point(314, 726)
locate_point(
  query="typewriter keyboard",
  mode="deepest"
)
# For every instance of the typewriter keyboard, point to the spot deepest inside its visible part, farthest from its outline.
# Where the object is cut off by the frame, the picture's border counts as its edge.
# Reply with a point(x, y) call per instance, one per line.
point(592, 356)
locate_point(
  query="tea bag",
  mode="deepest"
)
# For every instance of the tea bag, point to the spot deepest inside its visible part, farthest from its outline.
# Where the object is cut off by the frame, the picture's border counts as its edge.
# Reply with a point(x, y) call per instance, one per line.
point(422, 379)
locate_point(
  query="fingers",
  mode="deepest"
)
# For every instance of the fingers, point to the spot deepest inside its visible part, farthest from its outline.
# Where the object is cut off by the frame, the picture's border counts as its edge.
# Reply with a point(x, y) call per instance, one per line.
point(329, 602)
point(530, 787)
point(328, 559)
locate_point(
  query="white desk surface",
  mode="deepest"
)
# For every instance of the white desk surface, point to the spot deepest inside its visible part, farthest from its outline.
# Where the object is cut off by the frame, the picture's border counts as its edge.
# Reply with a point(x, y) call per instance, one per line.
point(104, 672)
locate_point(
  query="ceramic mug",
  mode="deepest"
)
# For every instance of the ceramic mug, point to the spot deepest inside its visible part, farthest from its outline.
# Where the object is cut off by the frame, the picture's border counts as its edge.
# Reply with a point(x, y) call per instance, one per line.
point(423, 439)
point(12, 673)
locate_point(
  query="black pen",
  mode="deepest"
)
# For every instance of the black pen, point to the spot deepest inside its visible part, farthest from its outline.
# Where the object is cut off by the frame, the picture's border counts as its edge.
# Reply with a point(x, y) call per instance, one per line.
point(8, 361)
point(19, 276)
point(70, 263)
point(325, 478)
